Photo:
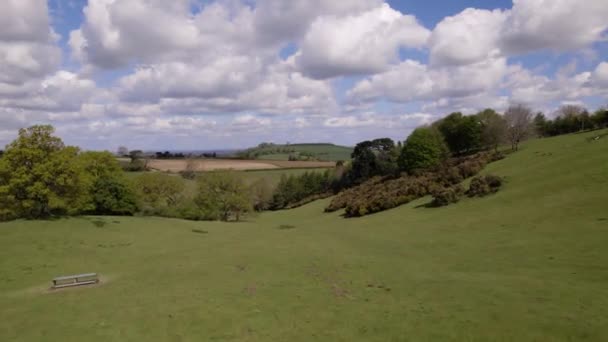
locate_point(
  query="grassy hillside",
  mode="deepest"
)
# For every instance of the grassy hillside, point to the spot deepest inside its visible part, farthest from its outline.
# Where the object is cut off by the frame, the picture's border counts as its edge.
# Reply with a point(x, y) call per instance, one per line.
point(328, 152)
point(526, 264)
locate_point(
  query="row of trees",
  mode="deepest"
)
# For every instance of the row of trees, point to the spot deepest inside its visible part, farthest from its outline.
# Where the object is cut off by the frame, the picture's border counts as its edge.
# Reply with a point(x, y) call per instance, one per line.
point(41, 177)
point(427, 147)
point(570, 119)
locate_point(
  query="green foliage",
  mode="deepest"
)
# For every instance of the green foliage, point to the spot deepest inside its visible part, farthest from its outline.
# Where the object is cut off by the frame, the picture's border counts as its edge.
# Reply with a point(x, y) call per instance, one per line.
point(223, 196)
point(373, 158)
point(261, 194)
point(461, 133)
point(484, 185)
point(447, 196)
point(493, 129)
point(423, 149)
point(159, 190)
point(40, 177)
point(570, 119)
point(295, 189)
point(378, 194)
point(110, 192)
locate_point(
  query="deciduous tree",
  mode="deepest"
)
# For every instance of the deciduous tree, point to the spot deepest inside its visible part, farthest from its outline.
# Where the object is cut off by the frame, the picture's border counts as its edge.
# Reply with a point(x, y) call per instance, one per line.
point(519, 124)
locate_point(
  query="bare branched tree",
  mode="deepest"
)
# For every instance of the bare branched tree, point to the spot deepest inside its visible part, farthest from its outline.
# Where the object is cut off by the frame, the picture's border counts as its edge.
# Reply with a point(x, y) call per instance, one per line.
point(519, 124)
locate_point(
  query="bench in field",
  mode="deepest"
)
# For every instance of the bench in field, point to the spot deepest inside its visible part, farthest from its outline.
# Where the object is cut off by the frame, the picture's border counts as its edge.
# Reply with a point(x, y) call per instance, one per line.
point(75, 280)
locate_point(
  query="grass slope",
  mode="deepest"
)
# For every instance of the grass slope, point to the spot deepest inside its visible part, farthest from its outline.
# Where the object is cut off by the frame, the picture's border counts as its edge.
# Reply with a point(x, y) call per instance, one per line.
point(527, 264)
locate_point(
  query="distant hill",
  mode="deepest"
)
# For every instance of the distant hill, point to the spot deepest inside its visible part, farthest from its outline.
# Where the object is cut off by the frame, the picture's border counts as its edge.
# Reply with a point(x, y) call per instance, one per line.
point(314, 151)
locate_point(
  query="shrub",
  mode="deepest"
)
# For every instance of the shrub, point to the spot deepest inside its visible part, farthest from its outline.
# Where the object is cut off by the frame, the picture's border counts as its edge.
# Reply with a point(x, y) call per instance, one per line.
point(447, 196)
point(382, 193)
point(484, 185)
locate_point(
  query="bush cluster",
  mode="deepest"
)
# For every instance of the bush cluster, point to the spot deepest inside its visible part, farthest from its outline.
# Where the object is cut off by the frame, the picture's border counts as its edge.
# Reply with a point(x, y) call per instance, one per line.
point(382, 193)
point(484, 185)
point(447, 196)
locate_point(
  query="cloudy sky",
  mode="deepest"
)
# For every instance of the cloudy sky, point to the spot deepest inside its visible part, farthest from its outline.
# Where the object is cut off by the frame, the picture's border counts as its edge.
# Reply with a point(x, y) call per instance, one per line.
point(200, 74)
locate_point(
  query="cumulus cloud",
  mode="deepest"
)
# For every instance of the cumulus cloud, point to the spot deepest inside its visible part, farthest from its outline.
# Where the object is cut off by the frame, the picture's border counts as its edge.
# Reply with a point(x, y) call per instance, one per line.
point(414, 81)
point(554, 24)
point(279, 21)
point(358, 44)
point(27, 43)
point(531, 25)
point(466, 38)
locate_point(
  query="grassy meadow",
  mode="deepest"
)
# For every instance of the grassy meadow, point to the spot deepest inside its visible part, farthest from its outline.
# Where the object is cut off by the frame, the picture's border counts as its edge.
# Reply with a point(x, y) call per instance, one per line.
point(328, 152)
point(529, 263)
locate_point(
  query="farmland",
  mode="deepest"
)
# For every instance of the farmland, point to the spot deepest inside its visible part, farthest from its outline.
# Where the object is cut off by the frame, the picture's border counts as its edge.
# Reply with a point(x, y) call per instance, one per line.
point(233, 164)
point(525, 264)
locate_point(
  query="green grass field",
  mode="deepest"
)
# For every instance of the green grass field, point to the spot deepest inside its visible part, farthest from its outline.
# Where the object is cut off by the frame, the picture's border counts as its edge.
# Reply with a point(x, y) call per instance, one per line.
point(329, 152)
point(529, 263)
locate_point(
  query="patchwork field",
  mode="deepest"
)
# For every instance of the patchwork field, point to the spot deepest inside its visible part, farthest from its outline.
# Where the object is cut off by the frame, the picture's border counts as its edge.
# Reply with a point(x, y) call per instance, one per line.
point(234, 164)
point(529, 263)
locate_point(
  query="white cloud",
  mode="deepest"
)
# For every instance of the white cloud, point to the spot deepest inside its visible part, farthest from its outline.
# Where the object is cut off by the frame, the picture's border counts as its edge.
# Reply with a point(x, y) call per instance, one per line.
point(358, 44)
point(413, 81)
point(279, 21)
point(466, 38)
point(27, 43)
point(531, 25)
point(554, 24)
point(600, 75)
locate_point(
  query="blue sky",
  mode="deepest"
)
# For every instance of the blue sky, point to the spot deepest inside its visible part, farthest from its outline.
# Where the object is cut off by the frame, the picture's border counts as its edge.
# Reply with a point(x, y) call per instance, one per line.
point(193, 74)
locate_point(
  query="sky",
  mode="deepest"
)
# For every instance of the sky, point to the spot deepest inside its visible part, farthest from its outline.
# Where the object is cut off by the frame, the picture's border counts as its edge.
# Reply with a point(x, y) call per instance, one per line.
point(203, 74)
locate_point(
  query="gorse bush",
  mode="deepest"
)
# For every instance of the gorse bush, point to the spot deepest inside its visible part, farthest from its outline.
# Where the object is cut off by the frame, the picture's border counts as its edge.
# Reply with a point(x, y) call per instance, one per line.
point(382, 193)
point(484, 185)
point(447, 196)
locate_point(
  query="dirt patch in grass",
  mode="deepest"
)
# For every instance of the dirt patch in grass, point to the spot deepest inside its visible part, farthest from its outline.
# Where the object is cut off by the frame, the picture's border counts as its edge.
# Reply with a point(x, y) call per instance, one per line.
point(47, 288)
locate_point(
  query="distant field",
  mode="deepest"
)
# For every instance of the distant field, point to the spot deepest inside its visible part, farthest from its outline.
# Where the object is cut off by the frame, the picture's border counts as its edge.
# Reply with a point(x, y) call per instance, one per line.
point(234, 164)
point(327, 152)
point(529, 263)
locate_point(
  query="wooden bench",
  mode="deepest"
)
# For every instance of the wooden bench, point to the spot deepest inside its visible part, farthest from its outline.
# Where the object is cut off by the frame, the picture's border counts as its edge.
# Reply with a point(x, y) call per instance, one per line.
point(75, 280)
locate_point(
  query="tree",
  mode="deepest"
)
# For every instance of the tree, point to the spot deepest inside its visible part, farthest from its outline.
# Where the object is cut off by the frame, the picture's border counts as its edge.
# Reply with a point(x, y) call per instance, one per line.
point(40, 177)
point(600, 118)
point(462, 133)
point(110, 192)
point(261, 194)
point(541, 125)
point(373, 158)
point(519, 124)
point(222, 195)
point(158, 190)
point(423, 149)
point(493, 128)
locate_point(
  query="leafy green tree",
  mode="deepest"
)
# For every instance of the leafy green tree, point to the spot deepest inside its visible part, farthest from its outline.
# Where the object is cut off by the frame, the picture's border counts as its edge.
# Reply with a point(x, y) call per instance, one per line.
point(462, 134)
point(600, 118)
point(493, 128)
point(541, 124)
point(159, 190)
point(222, 195)
point(261, 194)
point(40, 177)
point(373, 158)
point(423, 149)
point(110, 192)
